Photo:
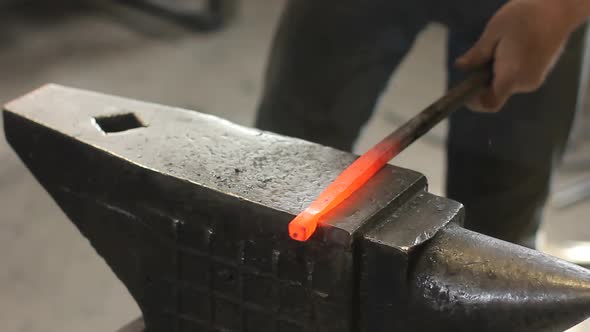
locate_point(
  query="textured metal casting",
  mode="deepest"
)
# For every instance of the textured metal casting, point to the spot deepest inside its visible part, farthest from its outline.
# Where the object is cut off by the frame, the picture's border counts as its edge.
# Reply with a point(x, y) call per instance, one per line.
point(191, 212)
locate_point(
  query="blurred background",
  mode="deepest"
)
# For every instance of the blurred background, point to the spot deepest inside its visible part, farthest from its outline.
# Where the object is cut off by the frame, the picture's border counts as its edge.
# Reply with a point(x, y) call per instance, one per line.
point(211, 59)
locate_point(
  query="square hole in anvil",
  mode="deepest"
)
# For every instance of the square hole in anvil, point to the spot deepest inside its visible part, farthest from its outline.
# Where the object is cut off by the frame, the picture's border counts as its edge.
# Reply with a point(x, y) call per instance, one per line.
point(117, 123)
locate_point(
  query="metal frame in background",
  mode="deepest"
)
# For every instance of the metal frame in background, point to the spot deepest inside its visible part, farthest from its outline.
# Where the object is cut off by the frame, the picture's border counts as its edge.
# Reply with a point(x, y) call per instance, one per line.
point(578, 162)
point(216, 15)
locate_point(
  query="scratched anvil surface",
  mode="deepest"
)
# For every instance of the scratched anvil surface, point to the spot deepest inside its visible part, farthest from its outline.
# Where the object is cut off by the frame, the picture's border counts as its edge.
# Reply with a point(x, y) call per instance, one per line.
point(191, 214)
point(212, 196)
point(278, 172)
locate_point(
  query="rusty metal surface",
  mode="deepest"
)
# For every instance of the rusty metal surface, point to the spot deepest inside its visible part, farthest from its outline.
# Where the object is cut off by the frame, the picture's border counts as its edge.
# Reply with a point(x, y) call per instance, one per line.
point(191, 213)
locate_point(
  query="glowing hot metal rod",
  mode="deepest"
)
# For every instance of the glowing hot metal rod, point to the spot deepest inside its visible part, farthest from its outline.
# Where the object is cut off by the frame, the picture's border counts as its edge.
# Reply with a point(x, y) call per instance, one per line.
point(361, 170)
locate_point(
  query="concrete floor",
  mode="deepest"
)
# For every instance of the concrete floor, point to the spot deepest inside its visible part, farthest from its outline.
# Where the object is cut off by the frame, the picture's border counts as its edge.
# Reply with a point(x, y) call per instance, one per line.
point(51, 279)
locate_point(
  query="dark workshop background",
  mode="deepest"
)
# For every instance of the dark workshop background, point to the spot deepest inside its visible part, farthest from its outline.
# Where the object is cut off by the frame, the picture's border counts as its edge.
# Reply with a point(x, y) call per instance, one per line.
point(50, 278)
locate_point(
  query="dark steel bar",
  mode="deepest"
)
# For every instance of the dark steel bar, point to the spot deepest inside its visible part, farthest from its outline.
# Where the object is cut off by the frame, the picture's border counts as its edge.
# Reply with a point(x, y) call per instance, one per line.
point(440, 110)
point(366, 166)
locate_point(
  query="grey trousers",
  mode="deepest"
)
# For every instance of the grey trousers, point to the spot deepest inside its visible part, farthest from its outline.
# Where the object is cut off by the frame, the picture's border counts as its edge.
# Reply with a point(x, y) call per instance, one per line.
point(331, 59)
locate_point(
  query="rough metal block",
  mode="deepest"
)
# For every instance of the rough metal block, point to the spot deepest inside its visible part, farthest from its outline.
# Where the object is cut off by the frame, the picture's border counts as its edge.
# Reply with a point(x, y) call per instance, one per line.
point(191, 213)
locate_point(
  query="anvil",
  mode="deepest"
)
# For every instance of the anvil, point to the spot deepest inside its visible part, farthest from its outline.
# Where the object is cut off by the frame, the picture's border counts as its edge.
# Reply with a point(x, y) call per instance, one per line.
point(191, 212)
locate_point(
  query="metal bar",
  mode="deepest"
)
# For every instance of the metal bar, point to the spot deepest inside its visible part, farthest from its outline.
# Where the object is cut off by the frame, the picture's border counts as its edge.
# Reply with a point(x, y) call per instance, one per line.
point(366, 166)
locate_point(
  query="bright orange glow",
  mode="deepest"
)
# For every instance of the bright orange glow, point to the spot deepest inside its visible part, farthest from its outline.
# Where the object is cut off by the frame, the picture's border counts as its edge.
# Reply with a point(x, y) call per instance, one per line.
point(361, 170)
point(350, 180)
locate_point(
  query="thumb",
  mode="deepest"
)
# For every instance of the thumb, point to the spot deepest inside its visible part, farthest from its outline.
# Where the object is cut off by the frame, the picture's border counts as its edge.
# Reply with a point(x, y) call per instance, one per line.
point(480, 54)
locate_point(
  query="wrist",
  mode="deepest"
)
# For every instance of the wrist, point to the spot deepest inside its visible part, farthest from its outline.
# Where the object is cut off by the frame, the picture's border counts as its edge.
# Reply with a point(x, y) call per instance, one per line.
point(574, 12)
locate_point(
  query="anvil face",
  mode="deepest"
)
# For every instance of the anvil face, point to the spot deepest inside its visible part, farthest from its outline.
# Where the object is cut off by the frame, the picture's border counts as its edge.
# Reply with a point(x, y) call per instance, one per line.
point(191, 213)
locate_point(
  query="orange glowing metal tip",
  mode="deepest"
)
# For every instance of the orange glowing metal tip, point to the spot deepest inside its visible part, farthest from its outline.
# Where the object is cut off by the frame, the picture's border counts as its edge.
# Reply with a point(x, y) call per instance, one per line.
point(366, 166)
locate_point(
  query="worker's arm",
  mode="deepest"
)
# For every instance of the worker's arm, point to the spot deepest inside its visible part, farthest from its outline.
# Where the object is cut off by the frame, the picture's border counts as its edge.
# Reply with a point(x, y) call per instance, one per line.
point(524, 39)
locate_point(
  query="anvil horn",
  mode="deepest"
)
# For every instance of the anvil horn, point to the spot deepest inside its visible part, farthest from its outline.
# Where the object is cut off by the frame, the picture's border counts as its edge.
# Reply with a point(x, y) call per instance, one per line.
point(465, 280)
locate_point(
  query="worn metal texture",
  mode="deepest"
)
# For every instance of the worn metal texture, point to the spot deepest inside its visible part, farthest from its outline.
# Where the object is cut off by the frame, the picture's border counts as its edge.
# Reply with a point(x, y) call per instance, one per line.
point(463, 279)
point(191, 213)
point(387, 253)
